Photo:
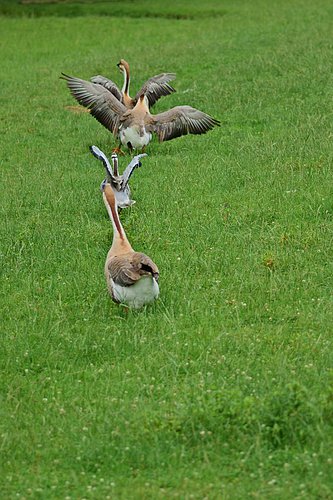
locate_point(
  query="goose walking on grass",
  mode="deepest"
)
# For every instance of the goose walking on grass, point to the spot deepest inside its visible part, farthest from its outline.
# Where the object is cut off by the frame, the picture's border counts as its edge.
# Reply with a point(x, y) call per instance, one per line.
point(135, 127)
point(132, 277)
point(120, 183)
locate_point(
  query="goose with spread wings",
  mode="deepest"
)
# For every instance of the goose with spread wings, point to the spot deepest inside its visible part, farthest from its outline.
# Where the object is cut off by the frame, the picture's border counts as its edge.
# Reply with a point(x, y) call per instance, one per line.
point(154, 88)
point(135, 127)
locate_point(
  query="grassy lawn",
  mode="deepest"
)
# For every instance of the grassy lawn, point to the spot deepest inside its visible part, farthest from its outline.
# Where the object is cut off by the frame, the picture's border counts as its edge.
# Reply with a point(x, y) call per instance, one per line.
point(224, 387)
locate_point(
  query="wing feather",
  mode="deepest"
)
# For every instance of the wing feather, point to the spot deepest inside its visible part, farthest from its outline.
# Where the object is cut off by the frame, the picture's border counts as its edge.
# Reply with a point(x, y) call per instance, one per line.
point(126, 270)
point(181, 120)
point(122, 272)
point(156, 87)
point(109, 85)
point(103, 105)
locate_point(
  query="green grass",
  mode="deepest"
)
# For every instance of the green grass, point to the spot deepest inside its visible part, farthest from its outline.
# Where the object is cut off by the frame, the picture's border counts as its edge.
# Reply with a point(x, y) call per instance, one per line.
point(223, 388)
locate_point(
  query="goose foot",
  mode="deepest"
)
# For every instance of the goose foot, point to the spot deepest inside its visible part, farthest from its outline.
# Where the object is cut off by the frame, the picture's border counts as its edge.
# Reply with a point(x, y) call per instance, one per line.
point(118, 151)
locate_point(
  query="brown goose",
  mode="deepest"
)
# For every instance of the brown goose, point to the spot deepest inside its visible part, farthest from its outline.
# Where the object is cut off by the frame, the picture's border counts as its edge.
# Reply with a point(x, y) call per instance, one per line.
point(154, 88)
point(136, 126)
point(132, 277)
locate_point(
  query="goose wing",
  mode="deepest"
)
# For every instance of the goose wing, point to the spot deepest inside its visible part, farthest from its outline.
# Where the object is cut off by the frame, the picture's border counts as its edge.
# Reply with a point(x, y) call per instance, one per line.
point(109, 85)
point(122, 272)
point(178, 121)
point(101, 156)
point(103, 105)
point(126, 270)
point(156, 87)
point(130, 169)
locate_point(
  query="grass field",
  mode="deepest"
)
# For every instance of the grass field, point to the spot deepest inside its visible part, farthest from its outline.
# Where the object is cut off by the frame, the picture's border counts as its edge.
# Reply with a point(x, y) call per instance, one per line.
point(223, 388)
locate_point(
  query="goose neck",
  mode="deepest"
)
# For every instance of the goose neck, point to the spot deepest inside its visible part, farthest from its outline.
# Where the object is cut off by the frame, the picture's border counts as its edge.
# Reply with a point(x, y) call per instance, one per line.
point(127, 79)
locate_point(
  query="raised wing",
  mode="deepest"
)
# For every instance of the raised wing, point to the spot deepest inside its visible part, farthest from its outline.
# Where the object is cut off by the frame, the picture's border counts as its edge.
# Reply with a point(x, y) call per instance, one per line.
point(156, 87)
point(109, 85)
point(181, 120)
point(130, 169)
point(101, 156)
point(103, 105)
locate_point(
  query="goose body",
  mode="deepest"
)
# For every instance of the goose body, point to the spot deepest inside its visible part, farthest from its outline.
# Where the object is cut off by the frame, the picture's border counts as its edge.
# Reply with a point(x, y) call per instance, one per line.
point(143, 292)
point(135, 137)
point(132, 277)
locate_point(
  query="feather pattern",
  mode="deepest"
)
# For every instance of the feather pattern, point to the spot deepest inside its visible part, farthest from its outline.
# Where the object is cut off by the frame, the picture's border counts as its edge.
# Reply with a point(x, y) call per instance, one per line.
point(103, 105)
point(126, 269)
point(181, 120)
point(156, 87)
point(109, 85)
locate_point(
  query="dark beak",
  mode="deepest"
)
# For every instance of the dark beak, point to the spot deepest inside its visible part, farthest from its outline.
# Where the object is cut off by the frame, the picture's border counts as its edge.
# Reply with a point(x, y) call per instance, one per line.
point(156, 276)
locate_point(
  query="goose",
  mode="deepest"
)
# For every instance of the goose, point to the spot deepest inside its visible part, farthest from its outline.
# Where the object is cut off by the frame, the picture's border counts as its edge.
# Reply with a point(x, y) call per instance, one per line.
point(136, 126)
point(154, 88)
point(118, 182)
point(132, 277)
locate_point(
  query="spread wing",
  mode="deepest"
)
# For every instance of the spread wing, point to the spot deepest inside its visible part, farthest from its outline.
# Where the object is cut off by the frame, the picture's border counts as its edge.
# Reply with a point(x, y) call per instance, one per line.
point(109, 85)
point(178, 121)
point(125, 270)
point(156, 87)
point(130, 169)
point(103, 105)
point(101, 156)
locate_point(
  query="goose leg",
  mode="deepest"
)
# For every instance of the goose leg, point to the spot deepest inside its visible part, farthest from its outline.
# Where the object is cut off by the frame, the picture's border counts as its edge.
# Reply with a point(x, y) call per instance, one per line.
point(118, 150)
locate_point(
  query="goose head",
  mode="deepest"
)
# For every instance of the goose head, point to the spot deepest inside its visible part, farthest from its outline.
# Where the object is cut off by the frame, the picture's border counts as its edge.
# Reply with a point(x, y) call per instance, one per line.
point(123, 66)
point(125, 70)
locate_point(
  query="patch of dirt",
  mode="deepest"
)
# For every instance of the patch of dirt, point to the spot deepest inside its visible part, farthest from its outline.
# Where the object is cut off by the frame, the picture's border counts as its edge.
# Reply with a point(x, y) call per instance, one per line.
point(77, 109)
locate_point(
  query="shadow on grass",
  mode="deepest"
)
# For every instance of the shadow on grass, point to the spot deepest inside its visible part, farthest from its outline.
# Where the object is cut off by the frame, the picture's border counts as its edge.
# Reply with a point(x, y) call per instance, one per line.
point(141, 9)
